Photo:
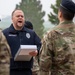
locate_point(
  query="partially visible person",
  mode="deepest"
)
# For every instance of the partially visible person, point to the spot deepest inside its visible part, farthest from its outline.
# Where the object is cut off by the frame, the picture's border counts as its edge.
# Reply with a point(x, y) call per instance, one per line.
point(57, 56)
point(28, 25)
point(5, 55)
point(17, 34)
point(35, 68)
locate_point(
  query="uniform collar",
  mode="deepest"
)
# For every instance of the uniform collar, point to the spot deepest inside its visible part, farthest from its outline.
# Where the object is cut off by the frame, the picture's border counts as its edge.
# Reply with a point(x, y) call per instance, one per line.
point(12, 29)
point(66, 22)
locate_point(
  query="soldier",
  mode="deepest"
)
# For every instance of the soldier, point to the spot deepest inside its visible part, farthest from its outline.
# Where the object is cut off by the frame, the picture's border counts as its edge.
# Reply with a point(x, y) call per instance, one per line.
point(57, 56)
point(4, 55)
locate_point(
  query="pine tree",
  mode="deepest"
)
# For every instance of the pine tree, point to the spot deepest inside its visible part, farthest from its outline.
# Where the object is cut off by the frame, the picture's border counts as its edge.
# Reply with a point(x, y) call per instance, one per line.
point(53, 18)
point(33, 13)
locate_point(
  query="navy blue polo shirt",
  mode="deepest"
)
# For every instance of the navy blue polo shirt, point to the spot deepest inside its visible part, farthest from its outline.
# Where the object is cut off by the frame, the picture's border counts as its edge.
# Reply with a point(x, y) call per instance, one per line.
point(16, 38)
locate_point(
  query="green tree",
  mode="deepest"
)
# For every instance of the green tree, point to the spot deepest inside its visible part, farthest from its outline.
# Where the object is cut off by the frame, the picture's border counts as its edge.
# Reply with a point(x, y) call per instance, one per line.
point(53, 18)
point(33, 13)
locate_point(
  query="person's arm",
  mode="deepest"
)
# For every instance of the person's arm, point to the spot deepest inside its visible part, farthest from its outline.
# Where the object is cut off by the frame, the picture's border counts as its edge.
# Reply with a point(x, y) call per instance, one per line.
point(37, 42)
point(4, 48)
point(45, 62)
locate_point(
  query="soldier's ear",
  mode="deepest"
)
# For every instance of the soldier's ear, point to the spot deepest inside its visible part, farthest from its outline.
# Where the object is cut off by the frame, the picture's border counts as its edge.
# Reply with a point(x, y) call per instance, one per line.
point(58, 14)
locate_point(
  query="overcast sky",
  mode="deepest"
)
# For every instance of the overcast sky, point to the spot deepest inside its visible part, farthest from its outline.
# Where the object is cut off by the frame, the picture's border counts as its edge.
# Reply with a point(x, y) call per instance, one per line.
point(7, 6)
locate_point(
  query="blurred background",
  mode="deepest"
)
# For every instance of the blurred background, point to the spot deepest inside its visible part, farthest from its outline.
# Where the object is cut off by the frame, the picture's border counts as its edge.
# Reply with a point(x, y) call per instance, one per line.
point(42, 13)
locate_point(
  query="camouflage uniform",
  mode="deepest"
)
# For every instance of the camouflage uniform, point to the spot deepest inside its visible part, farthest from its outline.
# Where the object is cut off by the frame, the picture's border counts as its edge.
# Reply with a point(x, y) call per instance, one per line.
point(4, 55)
point(57, 56)
point(35, 68)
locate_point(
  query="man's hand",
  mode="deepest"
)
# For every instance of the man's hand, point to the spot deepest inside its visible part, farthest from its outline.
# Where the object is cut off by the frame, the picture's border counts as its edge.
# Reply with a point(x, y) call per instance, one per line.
point(33, 53)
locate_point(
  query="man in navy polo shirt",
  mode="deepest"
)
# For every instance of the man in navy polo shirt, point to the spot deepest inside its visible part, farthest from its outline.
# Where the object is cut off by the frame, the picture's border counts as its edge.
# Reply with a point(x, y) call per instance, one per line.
point(17, 34)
